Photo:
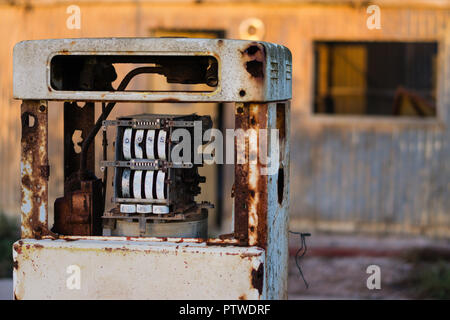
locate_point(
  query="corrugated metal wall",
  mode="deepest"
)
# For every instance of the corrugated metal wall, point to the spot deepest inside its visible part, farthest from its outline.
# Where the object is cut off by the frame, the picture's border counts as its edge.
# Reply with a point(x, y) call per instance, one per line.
point(375, 174)
point(346, 173)
point(359, 180)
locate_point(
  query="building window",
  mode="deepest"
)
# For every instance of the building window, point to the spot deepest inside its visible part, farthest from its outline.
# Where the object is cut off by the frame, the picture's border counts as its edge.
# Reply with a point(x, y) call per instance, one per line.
point(375, 78)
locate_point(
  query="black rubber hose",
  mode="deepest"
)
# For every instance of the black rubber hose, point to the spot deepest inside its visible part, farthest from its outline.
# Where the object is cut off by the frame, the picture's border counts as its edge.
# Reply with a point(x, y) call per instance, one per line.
point(109, 107)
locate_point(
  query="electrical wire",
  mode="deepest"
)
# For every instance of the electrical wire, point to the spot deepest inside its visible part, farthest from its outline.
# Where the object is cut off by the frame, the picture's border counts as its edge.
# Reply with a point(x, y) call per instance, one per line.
point(105, 157)
point(297, 254)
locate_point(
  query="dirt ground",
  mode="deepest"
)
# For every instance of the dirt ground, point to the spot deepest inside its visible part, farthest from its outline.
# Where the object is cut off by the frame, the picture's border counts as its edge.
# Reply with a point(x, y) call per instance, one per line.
point(335, 266)
point(345, 278)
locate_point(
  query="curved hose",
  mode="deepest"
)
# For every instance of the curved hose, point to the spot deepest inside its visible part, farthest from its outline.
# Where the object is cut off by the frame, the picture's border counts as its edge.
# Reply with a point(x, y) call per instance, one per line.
point(109, 107)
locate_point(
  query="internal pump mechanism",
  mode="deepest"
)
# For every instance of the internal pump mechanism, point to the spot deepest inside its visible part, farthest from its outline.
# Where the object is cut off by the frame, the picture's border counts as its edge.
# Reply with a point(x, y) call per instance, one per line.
point(153, 194)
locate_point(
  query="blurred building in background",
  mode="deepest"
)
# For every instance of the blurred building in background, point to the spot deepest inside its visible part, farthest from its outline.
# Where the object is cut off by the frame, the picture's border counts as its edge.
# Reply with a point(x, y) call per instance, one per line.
point(370, 111)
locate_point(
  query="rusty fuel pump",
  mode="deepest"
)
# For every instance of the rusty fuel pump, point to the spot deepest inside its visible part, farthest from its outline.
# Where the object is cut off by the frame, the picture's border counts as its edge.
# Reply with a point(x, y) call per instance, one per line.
point(154, 231)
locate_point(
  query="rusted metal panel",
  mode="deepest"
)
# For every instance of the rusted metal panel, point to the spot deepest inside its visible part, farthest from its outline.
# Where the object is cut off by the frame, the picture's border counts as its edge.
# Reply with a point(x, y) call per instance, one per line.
point(209, 241)
point(35, 169)
point(262, 201)
point(278, 207)
point(240, 190)
point(250, 187)
point(243, 70)
point(78, 117)
point(79, 211)
point(187, 270)
point(257, 183)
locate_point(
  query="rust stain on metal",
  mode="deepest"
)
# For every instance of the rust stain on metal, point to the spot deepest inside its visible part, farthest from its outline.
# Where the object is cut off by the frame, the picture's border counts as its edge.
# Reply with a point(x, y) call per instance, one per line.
point(258, 278)
point(259, 114)
point(255, 60)
point(226, 236)
point(79, 211)
point(172, 100)
point(241, 179)
point(250, 186)
point(221, 242)
point(18, 246)
point(258, 182)
point(211, 241)
point(45, 172)
point(249, 255)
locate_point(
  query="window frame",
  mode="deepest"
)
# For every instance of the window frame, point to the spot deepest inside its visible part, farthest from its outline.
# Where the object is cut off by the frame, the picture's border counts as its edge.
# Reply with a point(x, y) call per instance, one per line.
point(387, 121)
